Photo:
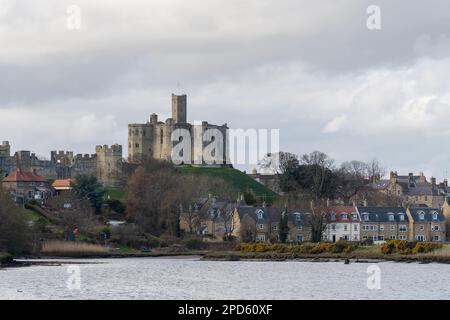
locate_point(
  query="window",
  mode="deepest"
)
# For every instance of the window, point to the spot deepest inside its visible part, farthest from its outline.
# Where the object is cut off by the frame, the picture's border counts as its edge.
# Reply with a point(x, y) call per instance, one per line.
point(261, 227)
point(366, 217)
point(366, 228)
point(402, 228)
point(421, 215)
point(345, 227)
point(391, 217)
point(381, 238)
point(402, 217)
point(299, 227)
point(137, 145)
point(382, 228)
point(260, 238)
point(435, 228)
point(298, 217)
point(422, 227)
point(435, 215)
point(344, 216)
point(365, 237)
point(355, 227)
point(436, 238)
point(333, 227)
point(354, 217)
point(161, 136)
point(392, 237)
point(420, 238)
point(260, 214)
point(333, 216)
point(274, 228)
point(374, 238)
point(392, 228)
point(402, 237)
point(299, 238)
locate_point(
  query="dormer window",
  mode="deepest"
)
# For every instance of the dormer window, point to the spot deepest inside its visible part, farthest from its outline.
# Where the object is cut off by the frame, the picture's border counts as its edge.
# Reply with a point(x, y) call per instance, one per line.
point(297, 216)
point(391, 217)
point(366, 217)
point(333, 216)
point(344, 216)
point(435, 215)
point(401, 217)
point(260, 214)
point(421, 215)
point(354, 216)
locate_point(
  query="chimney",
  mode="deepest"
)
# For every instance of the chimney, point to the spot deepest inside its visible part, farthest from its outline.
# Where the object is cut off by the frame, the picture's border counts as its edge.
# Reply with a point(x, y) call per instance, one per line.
point(433, 181)
point(328, 202)
point(365, 203)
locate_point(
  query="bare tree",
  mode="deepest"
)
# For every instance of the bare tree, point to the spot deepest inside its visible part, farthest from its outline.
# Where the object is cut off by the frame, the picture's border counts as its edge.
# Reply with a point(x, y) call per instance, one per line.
point(375, 170)
point(352, 180)
point(320, 164)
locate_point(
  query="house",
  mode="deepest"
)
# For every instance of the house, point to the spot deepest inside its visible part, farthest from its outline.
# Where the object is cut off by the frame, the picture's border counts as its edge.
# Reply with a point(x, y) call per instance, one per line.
point(62, 185)
point(413, 189)
point(426, 224)
point(27, 185)
point(220, 220)
point(193, 219)
point(383, 223)
point(259, 224)
point(344, 224)
point(299, 223)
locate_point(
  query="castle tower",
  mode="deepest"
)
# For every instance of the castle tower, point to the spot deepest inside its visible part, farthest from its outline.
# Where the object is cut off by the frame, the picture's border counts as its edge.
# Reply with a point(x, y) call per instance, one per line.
point(23, 160)
point(140, 141)
point(109, 165)
point(5, 149)
point(179, 108)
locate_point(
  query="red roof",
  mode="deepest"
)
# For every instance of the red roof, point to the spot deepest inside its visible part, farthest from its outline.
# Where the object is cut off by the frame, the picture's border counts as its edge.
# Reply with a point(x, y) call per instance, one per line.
point(66, 183)
point(340, 210)
point(24, 176)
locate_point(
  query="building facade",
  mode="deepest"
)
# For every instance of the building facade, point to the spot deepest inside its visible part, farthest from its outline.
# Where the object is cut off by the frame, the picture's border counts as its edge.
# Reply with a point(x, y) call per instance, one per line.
point(25, 186)
point(344, 224)
point(384, 223)
point(426, 224)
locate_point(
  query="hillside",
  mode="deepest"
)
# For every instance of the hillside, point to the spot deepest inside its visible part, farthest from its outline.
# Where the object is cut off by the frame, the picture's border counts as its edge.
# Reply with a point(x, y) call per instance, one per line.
point(237, 178)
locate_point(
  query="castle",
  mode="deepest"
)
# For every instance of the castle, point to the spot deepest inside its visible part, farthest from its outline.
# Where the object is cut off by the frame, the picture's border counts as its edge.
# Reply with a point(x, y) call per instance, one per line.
point(105, 164)
point(151, 140)
point(154, 139)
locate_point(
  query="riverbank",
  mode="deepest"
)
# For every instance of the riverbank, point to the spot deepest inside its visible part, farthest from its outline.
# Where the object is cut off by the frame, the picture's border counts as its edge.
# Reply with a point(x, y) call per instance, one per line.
point(360, 255)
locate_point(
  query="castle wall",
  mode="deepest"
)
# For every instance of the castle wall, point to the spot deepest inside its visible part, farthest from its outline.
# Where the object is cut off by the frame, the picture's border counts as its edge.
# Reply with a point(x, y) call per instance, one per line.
point(5, 149)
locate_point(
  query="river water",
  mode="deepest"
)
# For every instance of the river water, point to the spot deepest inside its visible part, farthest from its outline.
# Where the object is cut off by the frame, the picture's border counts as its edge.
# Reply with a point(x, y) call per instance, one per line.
point(190, 278)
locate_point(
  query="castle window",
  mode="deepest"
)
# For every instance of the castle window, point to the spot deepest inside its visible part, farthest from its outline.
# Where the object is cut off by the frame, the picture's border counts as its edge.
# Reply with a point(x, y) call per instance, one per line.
point(161, 133)
point(143, 133)
point(137, 145)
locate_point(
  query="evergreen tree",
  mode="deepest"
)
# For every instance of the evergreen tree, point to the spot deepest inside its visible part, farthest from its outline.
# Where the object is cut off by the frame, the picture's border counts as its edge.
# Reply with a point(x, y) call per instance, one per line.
point(283, 228)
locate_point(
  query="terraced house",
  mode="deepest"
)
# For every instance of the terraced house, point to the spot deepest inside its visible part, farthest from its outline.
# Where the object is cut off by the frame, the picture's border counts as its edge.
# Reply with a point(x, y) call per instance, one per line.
point(426, 224)
point(383, 223)
point(344, 224)
point(299, 223)
point(258, 224)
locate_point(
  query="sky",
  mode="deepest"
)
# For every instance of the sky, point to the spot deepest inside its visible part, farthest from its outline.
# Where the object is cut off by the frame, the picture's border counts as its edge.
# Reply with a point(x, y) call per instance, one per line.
point(312, 69)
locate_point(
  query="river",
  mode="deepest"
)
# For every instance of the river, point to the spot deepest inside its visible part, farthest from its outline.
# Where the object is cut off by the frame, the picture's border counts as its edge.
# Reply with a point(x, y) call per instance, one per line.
point(190, 278)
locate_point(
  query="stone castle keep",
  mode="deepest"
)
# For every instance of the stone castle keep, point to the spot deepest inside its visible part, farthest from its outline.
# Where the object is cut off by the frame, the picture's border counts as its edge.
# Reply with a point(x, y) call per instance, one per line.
point(152, 140)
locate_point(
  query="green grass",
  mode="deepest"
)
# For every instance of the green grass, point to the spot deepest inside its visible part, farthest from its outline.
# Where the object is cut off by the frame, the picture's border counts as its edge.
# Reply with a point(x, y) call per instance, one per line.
point(238, 179)
point(115, 193)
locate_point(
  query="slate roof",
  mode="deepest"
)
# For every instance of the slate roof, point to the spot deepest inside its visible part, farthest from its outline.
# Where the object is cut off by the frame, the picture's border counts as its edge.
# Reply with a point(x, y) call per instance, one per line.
point(269, 214)
point(382, 214)
point(428, 214)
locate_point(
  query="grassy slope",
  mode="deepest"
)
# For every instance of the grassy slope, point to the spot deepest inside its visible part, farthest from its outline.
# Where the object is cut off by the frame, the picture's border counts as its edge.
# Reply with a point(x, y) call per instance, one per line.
point(238, 179)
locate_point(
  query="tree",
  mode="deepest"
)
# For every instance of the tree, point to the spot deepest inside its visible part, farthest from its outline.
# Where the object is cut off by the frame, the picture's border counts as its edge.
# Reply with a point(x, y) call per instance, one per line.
point(250, 198)
point(15, 235)
point(318, 221)
point(88, 188)
point(227, 218)
point(352, 180)
point(375, 170)
point(319, 167)
point(248, 229)
point(283, 227)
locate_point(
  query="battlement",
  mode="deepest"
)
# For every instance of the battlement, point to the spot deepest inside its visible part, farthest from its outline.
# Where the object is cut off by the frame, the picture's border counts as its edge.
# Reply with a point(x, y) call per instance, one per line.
point(85, 157)
point(5, 149)
point(114, 149)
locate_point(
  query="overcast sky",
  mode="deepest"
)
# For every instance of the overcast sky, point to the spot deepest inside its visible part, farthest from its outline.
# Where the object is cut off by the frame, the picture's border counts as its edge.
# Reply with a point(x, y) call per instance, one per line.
point(310, 68)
